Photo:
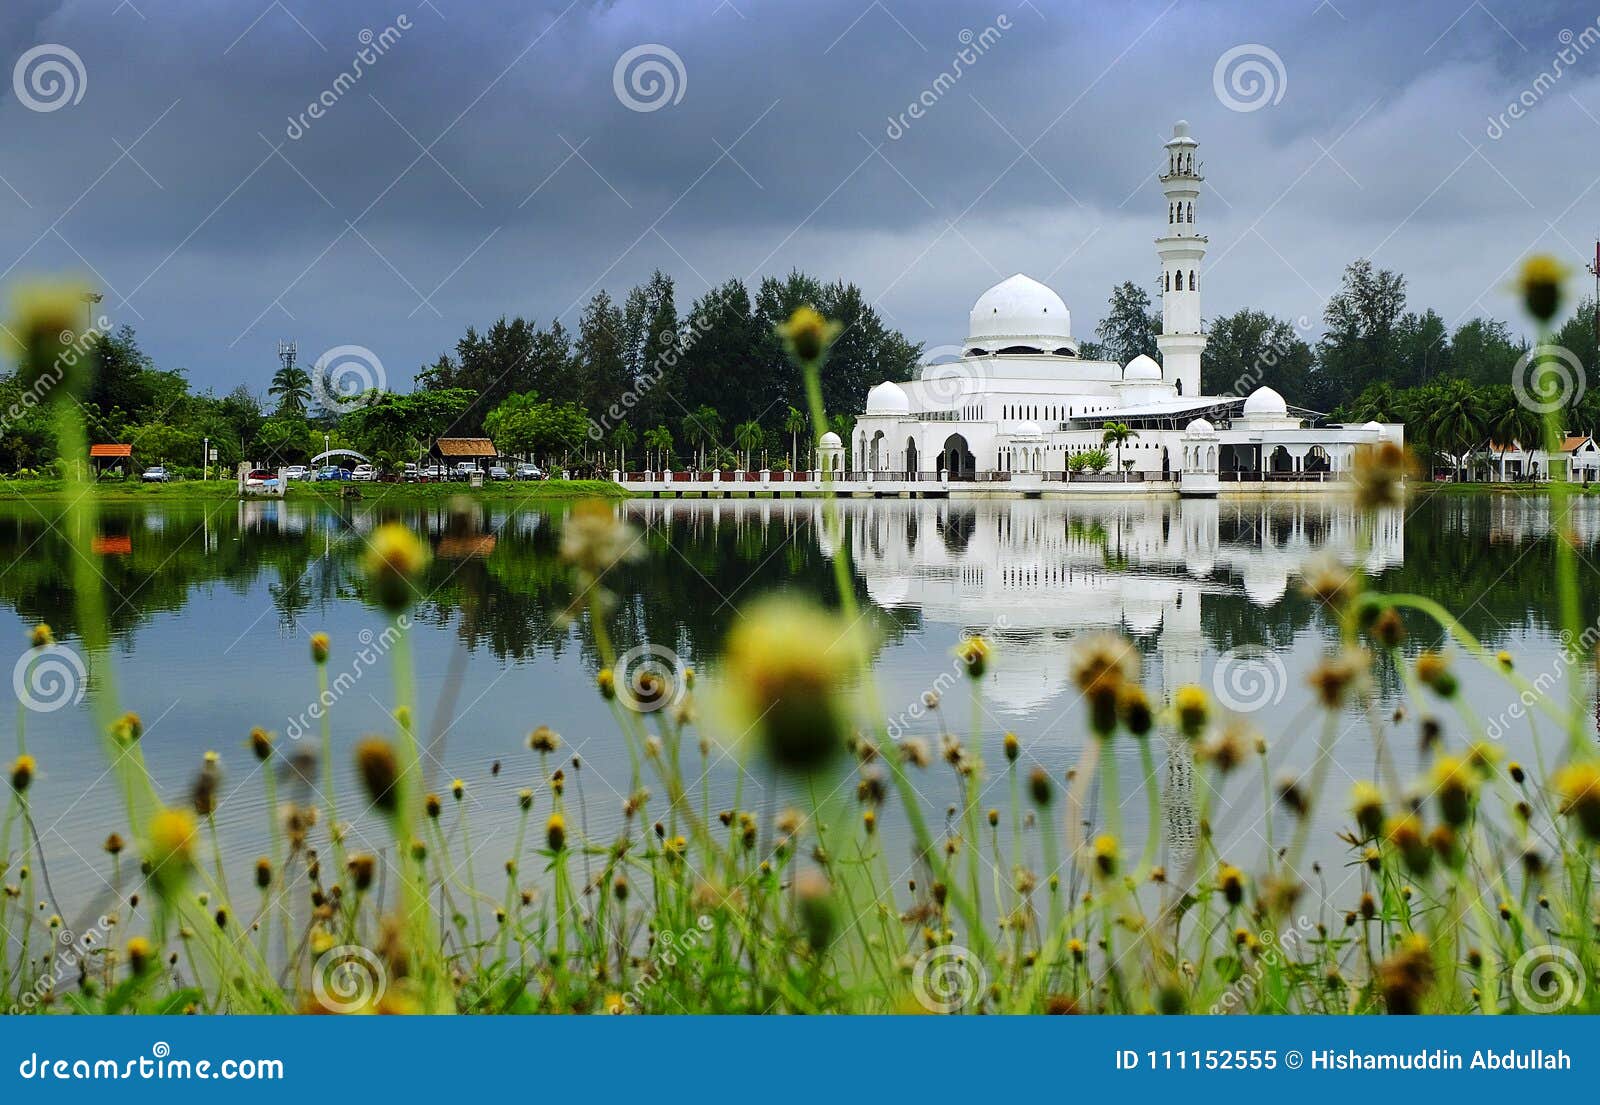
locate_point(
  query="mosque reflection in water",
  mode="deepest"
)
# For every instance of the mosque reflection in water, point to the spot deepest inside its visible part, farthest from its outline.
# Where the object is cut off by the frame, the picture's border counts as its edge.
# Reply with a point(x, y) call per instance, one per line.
point(1184, 579)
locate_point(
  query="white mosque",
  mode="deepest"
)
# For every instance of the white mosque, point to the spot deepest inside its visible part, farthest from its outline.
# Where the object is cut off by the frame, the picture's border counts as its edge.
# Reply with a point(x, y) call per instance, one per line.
point(1017, 401)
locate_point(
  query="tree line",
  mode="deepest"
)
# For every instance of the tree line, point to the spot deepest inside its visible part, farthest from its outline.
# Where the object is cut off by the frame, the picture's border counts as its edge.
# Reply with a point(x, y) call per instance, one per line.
point(642, 381)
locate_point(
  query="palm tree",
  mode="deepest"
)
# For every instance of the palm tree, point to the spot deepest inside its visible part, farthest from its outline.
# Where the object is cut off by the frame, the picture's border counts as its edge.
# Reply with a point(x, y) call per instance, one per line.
point(702, 428)
point(1455, 419)
point(1116, 433)
point(1509, 421)
point(660, 441)
point(794, 423)
point(748, 436)
point(622, 439)
point(291, 386)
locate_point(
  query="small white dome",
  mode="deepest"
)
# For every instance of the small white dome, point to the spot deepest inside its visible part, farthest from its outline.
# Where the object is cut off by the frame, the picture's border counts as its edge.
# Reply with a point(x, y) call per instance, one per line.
point(1200, 427)
point(1375, 427)
point(1142, 367)
point(830, 440)
point(888, 398)
point(1265, 403)
point(1020, 311)
point(1027, 429)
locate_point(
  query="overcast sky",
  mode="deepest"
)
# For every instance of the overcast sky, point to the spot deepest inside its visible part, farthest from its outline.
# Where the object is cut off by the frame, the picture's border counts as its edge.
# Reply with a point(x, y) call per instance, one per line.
point(494, 159)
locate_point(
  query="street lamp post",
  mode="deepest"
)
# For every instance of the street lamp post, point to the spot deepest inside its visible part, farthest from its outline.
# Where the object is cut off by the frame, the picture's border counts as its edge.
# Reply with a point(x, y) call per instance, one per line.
point(205, 459)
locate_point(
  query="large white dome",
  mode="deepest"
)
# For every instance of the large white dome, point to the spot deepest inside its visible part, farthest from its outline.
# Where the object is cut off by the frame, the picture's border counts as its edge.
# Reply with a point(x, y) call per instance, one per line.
point(888, 398)
point(1142, 367)
point(1020, 311)
point(1265, 403)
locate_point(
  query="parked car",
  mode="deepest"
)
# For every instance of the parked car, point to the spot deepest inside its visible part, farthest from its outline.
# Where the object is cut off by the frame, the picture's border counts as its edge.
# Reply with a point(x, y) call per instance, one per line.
point(436, 473)
point(332, 472)
point(156, 473)
point(496, 472)
point(365, 473)
point(529, 472)
point(296, 472)
point(464, 469)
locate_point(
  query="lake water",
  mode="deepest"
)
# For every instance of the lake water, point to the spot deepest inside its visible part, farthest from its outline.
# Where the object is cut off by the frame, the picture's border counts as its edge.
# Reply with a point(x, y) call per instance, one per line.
point(212, 608)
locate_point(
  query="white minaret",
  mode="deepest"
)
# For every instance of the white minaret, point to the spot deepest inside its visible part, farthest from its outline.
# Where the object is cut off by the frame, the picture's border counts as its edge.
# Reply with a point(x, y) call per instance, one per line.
point(1181, 250)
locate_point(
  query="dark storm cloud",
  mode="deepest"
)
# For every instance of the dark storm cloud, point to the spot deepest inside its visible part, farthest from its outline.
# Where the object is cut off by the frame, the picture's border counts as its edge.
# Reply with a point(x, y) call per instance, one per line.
point(485, 162)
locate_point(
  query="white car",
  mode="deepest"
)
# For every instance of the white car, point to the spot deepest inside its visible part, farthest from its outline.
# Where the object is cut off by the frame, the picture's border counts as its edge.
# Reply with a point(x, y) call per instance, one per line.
point(365, 473)
point(295, 472)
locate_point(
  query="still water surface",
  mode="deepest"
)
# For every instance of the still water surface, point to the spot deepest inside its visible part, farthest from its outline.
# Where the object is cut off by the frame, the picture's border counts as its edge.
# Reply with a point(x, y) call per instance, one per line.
point(212, 608)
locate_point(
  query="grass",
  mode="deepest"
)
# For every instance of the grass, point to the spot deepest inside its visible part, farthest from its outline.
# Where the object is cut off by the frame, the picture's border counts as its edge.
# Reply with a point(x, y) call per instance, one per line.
point(58, 490)
point(1472, 888)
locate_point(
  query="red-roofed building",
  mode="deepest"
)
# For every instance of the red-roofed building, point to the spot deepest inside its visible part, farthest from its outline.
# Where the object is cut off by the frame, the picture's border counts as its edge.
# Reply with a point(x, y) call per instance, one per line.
point(110, 458)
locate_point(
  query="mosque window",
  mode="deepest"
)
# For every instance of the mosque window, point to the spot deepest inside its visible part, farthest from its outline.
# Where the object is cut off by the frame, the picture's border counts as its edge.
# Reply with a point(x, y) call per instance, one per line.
point(1191, 280)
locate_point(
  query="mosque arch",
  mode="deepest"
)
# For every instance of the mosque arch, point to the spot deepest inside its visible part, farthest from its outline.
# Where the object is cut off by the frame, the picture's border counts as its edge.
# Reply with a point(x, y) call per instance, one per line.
point(956, 459)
